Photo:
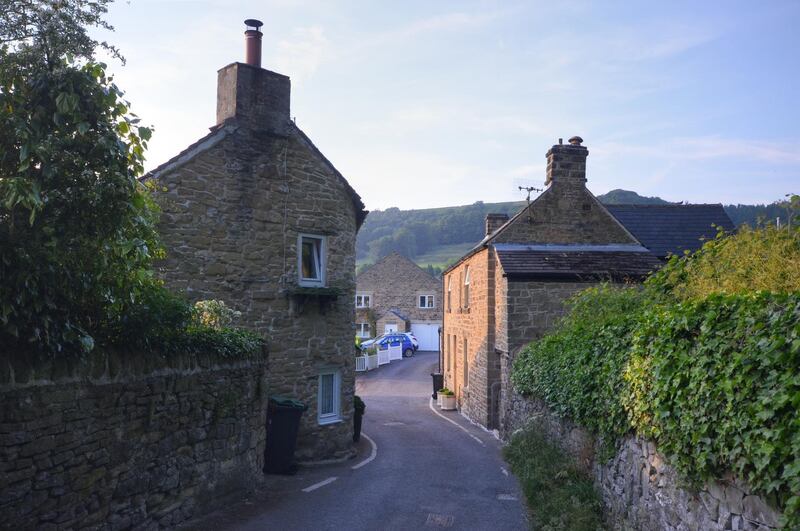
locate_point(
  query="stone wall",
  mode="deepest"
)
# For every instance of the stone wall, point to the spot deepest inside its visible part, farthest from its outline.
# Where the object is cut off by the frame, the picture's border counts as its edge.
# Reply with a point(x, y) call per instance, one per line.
point(639, 489)
point(124, 441)
point(533, 308)
point(469, 372)
point(232, 213)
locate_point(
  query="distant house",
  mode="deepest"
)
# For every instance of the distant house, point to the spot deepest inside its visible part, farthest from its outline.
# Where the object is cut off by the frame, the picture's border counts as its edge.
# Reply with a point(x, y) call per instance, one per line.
point(255, 215)
point(396, 295)
point(510, 288)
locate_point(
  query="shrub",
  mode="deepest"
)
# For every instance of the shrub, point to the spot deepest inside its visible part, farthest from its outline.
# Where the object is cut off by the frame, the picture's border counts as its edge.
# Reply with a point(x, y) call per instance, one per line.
point(578, 368)
point(716, 383)
point(761, 259)
point(77, 231)
point(214, 314)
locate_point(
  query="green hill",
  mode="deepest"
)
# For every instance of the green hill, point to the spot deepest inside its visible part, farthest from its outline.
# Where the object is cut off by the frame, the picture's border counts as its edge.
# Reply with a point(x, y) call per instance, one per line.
point(436, 237)
point(626, 197)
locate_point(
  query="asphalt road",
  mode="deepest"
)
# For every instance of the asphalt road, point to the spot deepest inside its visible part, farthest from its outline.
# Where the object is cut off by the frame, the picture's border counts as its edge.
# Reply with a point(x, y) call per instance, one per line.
point(424, 471)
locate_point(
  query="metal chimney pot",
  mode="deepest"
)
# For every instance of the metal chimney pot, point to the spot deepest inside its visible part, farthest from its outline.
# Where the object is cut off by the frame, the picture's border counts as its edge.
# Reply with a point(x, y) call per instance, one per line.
point(252, 42)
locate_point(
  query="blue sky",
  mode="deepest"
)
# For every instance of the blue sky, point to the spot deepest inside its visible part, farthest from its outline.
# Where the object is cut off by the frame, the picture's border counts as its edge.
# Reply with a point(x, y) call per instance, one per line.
point(422, 104)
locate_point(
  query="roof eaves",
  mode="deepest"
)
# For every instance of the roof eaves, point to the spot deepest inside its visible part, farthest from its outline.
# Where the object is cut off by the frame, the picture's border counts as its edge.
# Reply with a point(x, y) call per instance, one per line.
point(214, 137)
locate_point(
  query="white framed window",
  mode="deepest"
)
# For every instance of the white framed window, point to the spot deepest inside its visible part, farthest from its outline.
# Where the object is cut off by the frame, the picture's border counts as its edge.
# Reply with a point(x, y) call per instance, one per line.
point(466, 288)
point(329, 400)
point(362, 300)
point(311, 260)
point(426, 301)
point(362, 329)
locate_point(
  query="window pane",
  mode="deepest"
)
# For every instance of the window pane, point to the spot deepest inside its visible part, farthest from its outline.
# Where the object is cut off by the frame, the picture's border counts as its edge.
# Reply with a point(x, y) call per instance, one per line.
point(326, 394)
point(311, 258)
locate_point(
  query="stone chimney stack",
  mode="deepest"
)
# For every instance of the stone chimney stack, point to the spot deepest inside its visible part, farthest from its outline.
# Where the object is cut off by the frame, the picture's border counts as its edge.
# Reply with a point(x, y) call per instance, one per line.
point(566, 164)
point(251, 95)
point(494, 222)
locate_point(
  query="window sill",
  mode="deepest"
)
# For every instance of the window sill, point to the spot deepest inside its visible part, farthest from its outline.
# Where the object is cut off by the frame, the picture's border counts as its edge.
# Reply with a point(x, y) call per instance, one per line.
point(315, 291)
point(328, 422)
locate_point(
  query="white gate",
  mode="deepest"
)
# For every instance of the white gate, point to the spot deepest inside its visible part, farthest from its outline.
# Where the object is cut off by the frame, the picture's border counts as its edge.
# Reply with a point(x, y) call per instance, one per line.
point(361, 363)
point(395, 352)
point(383, 357)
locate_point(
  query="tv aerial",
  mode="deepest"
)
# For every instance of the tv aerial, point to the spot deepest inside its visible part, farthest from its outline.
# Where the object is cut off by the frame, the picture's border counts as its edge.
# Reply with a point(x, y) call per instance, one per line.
point(529, 189)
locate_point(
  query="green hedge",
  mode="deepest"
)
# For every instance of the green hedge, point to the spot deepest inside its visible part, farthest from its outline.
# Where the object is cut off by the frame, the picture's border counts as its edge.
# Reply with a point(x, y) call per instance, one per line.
point(578, 368)
point(715, 382)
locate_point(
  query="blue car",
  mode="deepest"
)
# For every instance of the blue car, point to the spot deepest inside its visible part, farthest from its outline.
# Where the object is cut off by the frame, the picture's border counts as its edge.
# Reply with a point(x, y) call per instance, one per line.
point(392, 339)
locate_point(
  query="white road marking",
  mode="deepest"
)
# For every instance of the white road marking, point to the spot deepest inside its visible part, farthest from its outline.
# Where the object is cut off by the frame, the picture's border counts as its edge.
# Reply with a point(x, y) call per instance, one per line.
point(505, 472)
point(454, 423)
point(372, 455)
point(506, 497)
point(315, 486)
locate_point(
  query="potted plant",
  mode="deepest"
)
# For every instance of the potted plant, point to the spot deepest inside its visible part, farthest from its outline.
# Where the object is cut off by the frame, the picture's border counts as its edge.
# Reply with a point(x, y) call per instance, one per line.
point(441, 392)
point(358, 417)
point(448, 400)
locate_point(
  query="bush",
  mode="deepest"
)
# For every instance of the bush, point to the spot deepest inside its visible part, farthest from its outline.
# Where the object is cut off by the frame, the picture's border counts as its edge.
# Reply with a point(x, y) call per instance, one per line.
point(77, 231)
point(578, 368)
point(716, 383)
point(214, 314)
point(762, 259)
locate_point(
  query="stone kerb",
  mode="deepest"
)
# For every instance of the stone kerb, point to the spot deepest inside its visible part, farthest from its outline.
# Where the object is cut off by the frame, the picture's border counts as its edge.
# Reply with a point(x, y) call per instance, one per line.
point(127, 441)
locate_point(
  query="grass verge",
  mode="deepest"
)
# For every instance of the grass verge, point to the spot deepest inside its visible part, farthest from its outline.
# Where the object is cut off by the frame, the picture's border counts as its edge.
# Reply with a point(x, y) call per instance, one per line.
point(560, 495)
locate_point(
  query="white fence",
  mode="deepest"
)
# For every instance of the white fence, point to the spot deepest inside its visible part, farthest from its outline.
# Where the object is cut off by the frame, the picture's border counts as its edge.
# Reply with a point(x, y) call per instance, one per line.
point(372, 362)
point(383, 357)
point(396, 352)
point(361, 363)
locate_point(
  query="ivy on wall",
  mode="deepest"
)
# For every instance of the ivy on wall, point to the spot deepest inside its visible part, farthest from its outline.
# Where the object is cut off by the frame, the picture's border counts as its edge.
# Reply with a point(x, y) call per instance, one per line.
point(696, 361)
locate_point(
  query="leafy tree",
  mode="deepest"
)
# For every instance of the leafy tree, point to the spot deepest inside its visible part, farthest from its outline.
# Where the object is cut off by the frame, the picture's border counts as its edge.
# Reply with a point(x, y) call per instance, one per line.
point(46, 31)
point(77, 230)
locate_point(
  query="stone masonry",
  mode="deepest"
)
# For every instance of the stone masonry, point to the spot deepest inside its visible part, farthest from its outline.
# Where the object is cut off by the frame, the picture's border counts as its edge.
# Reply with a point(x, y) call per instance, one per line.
point(396, 283)
point(234, 206)
point(127, 441)
point(639, 489)
point(505, 314)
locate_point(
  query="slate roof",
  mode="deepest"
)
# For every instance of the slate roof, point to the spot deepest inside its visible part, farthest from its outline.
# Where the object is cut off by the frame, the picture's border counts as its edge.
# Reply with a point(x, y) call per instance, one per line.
point(671, 229)
point(576, 262)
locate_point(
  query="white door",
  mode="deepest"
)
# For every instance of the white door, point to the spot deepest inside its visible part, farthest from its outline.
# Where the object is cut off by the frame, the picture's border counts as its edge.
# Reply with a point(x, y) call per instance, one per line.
point(427, 335)
point(390, 328)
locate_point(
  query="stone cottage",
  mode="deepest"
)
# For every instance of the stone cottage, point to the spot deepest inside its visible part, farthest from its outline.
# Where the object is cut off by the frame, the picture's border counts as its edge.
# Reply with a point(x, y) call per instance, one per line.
point(509, 289)
point(255, 215)
point(396, 295)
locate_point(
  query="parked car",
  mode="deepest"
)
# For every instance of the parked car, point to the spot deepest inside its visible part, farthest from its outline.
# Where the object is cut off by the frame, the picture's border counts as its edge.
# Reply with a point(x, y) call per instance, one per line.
point(392, 339)
point(413, 339)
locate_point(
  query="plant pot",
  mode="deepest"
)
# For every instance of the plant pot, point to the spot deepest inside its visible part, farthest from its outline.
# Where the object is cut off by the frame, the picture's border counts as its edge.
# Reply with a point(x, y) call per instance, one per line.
point(448, 402)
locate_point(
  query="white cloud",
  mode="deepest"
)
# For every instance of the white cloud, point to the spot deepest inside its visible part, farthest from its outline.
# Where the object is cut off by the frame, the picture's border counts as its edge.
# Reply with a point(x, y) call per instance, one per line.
point(301, 55)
